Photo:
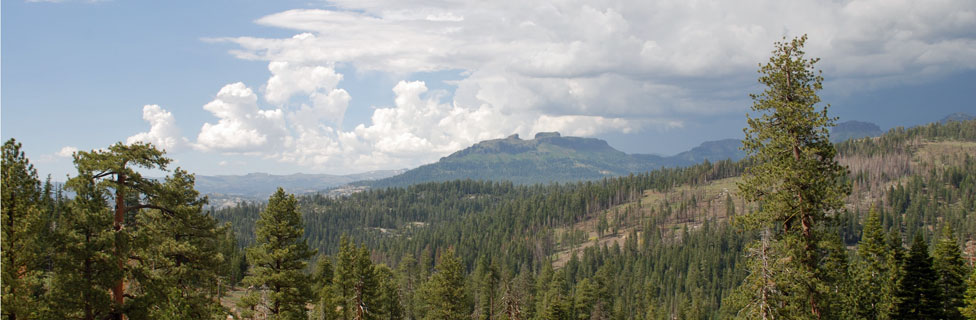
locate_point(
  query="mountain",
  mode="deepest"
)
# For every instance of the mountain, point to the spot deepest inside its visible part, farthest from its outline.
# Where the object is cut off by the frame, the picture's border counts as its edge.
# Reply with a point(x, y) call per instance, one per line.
point(550, 157)
point(852, 130)
point(958, 116)
point(260, 185)
point(712, 151)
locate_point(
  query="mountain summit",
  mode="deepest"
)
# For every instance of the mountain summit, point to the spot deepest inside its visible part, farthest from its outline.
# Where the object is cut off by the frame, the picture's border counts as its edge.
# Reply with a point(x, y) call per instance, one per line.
point(551, 157)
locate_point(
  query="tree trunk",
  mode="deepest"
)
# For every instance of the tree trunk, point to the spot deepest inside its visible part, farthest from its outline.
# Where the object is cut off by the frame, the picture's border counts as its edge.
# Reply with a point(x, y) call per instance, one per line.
point(118, 291)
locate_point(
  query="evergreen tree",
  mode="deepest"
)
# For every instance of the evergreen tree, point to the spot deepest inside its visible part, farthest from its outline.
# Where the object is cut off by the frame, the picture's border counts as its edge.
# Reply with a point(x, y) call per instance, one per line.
point(760, 294)
point(486, 281)
point(279, 257)
point(951, 271)
point(178, 252)
point(875, 278)
point(918, 294)
point(22, 224)
point(365, 285)
point(322, 279)
point(444, 291)
point(85, 265)
point(555, 303)
point(795, 175)
point(114, 169)
point(387, 302)
point(969, 310)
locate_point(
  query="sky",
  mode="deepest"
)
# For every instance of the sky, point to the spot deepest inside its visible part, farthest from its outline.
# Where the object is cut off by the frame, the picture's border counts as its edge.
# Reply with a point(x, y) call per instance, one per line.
point(339, 87)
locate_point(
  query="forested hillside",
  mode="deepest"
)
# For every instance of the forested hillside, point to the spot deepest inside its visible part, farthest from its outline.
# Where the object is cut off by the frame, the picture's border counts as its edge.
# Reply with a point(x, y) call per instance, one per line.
point(658, 243)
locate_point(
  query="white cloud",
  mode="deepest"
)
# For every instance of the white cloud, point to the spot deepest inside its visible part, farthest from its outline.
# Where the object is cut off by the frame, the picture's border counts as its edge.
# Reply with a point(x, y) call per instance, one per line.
point(243, 127)
point(163, 132)
point(66, 152)
point(579, 67)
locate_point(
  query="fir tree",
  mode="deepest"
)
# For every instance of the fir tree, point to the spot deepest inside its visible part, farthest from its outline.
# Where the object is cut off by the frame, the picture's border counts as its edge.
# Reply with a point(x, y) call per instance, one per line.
point(387, 302)
point(279, 258)
point(486, 281)
point(951, 271)
point(22, 224)
point(796, 177)
point(322, 279)
point(969, 309)
point(875, 276)
point(918, 294)
point(444, 291)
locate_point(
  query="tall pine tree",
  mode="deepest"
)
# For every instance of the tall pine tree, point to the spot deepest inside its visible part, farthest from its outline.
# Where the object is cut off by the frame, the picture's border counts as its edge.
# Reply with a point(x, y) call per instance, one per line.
point(875, 277)
point(22, 224)
point(969, 309)
point(444, 292)
point(796, 178)
point(115, 169)
point(951, 271)
point(86, 265)
point(918, 293)
point(179, 258)
point(278, 259)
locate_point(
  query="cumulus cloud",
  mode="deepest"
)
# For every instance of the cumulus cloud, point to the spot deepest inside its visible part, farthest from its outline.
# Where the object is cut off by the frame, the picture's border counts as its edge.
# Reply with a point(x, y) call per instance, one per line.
point(580, 67)
point(66, 152)
point(163, 132)
point(242, 126)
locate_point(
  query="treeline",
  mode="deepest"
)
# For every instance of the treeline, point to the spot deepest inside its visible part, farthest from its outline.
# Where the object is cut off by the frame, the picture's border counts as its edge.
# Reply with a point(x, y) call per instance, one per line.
point(479, 217)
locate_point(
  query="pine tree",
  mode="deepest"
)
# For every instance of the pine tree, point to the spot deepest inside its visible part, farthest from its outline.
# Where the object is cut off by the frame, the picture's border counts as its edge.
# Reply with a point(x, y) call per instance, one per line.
point(969, 310)
point(279, 257)
point(387, 302)
point(951, 271)
point(322, 285)
point(486, 281)
point(444, 291)
point(178, 254)
point(918, 294)
point(555, 303)
point(22, 224)
point(796, 177)
point(875, 277)
point(365, 285)
point(114, 169)
point(85, 264)
point(355, 283)
point(760, 294)
point(587, 297)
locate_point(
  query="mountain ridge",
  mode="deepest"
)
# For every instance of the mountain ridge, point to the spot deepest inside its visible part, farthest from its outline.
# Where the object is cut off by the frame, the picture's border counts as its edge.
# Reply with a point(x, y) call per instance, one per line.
point(258, 185)
point(550, 157)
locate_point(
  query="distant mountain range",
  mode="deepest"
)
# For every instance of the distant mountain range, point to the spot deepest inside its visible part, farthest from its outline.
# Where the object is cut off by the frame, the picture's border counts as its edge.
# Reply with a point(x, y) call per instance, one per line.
point(859, 129)
point(550, 157)
point(259, 186)
point(853, 130)
point(958, 116)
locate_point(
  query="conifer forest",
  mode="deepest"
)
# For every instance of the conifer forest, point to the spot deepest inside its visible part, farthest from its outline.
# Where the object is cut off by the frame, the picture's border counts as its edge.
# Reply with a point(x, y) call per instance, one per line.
point(802, 228)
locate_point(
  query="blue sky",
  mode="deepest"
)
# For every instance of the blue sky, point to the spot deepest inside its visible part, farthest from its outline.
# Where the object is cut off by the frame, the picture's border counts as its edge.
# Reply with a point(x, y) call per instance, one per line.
point(231, 87)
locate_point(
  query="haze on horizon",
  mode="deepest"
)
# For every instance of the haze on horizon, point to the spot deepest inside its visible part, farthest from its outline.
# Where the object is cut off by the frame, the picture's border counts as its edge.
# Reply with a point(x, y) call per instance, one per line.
point(352, 86)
